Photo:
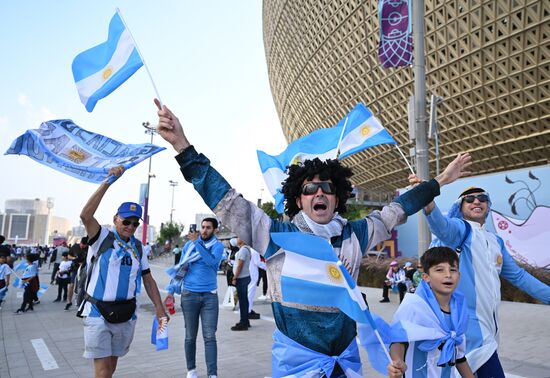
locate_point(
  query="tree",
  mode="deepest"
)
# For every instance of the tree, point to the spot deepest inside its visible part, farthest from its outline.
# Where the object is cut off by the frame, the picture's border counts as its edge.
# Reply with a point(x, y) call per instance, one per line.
point(356, 211)
point(170, 231)
point(269, 209)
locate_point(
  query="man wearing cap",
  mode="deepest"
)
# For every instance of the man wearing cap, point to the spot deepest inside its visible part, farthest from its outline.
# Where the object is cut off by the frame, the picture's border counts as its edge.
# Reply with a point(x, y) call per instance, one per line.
point(116, 267)
point(483, 258)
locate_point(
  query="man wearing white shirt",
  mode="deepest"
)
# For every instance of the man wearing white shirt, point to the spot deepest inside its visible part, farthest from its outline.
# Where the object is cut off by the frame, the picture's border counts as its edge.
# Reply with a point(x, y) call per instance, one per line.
point(254, 267)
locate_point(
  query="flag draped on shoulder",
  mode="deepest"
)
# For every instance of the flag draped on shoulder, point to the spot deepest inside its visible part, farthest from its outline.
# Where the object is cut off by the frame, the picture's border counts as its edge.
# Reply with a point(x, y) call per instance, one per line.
point(320, 143)
point(313, 275)
point(363, 130)
point(396, 46)
point(100, 70)
point(68, 148)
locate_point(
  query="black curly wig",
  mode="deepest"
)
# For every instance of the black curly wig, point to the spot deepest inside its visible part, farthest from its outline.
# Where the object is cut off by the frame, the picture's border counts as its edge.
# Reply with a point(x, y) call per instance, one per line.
point(327, 170)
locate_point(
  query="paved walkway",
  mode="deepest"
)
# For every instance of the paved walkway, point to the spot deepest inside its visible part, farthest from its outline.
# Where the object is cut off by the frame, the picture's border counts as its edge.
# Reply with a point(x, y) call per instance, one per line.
point(49, 341)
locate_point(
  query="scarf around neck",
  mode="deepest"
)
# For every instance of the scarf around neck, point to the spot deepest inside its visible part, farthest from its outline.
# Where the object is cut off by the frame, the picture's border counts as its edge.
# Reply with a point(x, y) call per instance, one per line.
point(325, 231)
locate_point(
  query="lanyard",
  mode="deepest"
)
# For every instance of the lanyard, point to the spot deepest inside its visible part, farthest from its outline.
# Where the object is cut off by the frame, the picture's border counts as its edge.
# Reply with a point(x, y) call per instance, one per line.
point(124, 246)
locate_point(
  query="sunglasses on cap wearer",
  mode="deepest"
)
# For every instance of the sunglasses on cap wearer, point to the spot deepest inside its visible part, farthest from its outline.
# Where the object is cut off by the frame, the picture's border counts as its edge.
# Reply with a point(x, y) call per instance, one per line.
point(470, 198)
point(128, 222)
point(312, 187)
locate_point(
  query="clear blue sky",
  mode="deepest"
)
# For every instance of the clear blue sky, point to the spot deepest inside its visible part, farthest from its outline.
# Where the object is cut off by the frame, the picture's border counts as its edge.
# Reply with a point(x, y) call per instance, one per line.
point(208, 62)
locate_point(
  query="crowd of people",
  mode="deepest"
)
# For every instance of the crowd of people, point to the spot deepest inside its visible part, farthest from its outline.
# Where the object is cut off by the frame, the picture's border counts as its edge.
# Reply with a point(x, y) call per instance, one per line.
point(453, 293)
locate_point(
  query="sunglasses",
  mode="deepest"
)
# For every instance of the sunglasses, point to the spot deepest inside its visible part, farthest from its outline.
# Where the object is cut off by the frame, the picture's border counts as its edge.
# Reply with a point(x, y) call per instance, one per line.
point(470, 198)
point(312, 188)
point(128, 222)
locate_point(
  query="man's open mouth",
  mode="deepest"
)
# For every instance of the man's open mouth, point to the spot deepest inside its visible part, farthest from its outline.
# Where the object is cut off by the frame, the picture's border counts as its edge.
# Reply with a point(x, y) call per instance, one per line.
point(319, 206)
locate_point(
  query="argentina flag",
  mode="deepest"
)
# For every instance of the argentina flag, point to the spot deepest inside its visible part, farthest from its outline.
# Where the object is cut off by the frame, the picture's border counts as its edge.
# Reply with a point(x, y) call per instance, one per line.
point(363, 130)
point(64, 146)
point(103, 68)
point(159, 335)
point(313, 275)
point(320, 143)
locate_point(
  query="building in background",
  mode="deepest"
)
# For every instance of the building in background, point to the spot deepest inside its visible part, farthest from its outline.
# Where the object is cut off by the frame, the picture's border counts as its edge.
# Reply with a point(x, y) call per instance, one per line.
point(30, 222)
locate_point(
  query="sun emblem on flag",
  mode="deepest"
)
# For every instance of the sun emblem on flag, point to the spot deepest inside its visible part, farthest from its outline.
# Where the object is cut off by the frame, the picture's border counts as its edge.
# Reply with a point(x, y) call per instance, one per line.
point(334, 273)
point(107, 73)
point(76, 154)
point(365, 131)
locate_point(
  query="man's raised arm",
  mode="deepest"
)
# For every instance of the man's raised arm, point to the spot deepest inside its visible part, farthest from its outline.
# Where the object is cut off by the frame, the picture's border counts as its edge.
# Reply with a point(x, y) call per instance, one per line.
point(88, 211)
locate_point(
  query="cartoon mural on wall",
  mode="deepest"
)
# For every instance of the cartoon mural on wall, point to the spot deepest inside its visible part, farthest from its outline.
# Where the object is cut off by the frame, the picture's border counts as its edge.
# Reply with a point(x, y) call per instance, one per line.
point(527, 240)
point(520, 213)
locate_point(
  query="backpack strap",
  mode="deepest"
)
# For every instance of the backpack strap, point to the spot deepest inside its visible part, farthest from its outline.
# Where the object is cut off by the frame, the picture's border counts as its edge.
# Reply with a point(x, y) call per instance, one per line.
point(459, 248)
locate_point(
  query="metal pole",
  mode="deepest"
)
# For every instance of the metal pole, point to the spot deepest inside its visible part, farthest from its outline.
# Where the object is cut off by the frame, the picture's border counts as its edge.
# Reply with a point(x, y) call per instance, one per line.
point(422, 167)
point(152, 131)
point(173, 184)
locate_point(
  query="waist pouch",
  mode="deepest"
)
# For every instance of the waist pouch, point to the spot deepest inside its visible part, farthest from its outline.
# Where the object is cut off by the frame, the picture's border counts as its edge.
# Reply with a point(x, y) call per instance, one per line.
point(115, 311)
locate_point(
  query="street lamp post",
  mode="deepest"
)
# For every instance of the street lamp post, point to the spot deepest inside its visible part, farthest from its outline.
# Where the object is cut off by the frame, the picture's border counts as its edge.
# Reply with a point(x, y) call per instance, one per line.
point(151, 131)
point(173, 184)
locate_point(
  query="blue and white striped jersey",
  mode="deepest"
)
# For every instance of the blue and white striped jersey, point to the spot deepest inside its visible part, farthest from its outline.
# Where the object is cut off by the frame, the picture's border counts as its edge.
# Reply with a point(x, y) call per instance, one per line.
point(116, 276)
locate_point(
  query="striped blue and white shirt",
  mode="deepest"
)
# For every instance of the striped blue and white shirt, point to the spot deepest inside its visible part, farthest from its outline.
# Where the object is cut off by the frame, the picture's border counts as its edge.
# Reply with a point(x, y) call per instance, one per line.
point(116, 276)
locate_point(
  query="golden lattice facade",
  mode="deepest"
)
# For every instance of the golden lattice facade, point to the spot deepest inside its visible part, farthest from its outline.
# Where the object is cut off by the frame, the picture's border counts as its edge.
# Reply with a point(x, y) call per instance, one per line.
point(490, 60)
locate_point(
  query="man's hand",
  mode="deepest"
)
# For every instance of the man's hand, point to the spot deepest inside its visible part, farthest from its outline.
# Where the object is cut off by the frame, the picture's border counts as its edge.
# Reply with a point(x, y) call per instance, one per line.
point(170, 128)
point(397, 369)
point(114, 174)
point(455, 169)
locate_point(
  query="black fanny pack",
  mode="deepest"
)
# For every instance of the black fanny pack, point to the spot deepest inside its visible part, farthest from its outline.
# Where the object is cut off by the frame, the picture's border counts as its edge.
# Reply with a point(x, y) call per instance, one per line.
point(116, 311)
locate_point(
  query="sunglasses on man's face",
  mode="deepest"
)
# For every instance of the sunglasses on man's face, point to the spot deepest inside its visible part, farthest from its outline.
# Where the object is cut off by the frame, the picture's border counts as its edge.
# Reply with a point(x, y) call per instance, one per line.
point(470, 198)
point(312, 188)
point(128, 222)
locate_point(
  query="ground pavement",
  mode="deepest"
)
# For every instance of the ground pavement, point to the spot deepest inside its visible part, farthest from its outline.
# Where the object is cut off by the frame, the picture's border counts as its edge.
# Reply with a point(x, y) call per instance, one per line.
point(49, 341)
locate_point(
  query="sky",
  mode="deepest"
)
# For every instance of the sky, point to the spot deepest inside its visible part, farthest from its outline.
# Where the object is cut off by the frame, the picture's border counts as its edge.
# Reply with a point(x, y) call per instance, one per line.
point(208, 62)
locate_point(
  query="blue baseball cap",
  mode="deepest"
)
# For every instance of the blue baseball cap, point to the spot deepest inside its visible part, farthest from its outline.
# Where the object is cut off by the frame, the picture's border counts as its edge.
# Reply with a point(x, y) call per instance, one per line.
point(129, 209)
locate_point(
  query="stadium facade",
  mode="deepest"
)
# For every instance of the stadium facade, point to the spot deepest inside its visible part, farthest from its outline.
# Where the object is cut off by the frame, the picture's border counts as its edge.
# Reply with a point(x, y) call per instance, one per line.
point(489, 60)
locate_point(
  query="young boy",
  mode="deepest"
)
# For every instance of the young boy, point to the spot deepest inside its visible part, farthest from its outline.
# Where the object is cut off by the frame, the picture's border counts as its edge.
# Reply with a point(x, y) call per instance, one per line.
point(30, 277)
point(4, 276)
point(428, 327)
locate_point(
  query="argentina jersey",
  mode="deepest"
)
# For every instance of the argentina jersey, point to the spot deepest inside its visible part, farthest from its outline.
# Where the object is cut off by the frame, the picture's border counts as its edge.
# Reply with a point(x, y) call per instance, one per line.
point(116, 276)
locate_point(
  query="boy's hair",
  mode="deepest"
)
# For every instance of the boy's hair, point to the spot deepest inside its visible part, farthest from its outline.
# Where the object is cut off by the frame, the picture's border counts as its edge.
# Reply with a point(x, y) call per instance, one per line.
point(327, 170)
point(65, 254)
point(438, 255)
point(213, 221)
point(32, 257)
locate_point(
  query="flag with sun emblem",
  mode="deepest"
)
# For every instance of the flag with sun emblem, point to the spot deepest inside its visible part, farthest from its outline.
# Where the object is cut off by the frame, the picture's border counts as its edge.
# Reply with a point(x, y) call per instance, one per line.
point(68, 148)
point(103, 68)
point(363, 130)
point(313, 275)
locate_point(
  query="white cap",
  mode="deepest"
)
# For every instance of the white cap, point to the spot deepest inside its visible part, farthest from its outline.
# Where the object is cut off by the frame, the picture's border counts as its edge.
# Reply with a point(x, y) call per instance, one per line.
point(233, 242)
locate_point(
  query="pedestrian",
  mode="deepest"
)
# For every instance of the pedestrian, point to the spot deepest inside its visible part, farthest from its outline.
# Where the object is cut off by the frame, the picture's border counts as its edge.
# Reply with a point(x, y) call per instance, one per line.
point(263, 278)
point(177, 254)
point(196, 280)
point(395, 280)
point(63, 277)
point(440, 314)
point(483, 260)
point(30, 280)
point(77, 255)
point(241, 279)
point(5, 272)
point(308, 337)
point(254, 269)
point(117, 268)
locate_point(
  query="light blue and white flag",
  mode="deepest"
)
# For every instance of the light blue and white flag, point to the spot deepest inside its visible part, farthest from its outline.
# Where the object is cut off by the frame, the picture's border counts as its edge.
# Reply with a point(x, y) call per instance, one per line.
point(320, 143)
point(21, 266)
point(68, 148)
point(159, 335)
point(18, 283)
point(42, 290)
point(313, 275)
point(363, 130)
point(103, 68)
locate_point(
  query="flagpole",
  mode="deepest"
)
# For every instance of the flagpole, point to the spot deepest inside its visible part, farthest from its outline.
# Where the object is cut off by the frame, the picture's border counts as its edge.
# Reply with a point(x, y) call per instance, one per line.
point(341, 137)
point(140, 55)
point(404, 158)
